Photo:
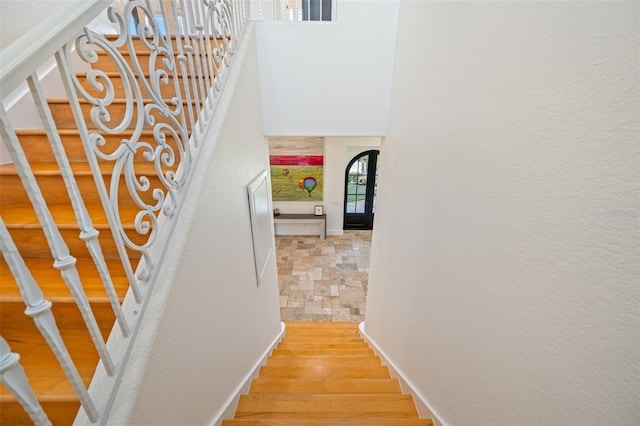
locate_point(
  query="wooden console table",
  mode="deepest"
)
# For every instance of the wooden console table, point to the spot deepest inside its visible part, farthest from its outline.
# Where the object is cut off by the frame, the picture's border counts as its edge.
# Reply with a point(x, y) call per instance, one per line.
point(304, 218)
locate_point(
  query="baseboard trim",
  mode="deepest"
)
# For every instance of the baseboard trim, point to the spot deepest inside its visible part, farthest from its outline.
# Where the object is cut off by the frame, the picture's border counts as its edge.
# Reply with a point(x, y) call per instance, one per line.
point(229, 410)
point(425, 410)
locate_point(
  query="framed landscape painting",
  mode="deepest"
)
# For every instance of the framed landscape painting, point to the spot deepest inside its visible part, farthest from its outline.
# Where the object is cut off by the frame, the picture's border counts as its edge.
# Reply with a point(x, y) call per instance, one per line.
point(296, 168)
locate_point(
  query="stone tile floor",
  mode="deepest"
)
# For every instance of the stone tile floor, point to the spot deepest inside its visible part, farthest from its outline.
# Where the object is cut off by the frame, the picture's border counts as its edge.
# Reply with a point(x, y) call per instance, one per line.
point(323, 280)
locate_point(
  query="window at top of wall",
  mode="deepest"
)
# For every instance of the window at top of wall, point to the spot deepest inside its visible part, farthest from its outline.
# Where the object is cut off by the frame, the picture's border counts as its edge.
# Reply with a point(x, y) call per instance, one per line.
point(299, 10)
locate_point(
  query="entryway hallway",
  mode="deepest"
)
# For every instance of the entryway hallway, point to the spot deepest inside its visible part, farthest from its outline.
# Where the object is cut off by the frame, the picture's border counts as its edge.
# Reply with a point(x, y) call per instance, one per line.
point(323, 280)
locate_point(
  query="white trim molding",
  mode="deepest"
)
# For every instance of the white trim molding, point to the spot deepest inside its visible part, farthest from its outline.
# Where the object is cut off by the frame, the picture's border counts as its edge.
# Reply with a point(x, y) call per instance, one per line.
point(425, 410)
point(229, 411)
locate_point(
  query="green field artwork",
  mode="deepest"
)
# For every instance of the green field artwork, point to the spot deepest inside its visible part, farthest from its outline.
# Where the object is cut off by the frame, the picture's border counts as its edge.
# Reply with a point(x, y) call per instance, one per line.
point(286, 183)
point(296, 168)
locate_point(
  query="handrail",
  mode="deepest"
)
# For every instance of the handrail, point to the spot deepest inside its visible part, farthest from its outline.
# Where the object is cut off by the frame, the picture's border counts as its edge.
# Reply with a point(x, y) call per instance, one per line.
point(142, 126)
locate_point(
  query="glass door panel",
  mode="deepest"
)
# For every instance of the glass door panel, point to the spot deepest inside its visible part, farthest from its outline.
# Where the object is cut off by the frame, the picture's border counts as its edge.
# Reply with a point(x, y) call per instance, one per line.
point(360, 188)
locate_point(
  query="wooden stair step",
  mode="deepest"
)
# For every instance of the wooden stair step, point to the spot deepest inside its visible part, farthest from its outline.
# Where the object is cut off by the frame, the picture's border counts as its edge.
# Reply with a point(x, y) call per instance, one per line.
point(328, 422)
point(325, 386)
point(23, 216)
point(27, 233)
point(324, 371)
point(293, 340)
point(316, 361)
point(326, 406)
point(340, 333)
point(64, 307)
point(106, 63)
point(56, 291)
point(141, 45)
point(321, 345)
point(45, 375)
point(66, 313)
point(38, 149)
point(41, 366)
point(305, 351)
point(60, 411)
point(167, 88)
point(61, 111)
point(51, 184)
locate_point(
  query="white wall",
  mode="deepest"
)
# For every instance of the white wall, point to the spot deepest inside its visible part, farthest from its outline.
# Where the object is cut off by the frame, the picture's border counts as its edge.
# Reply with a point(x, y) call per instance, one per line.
point(505, 259)
point(214, 322)
point(329, 78)
point(338, 151)
point(18, 101)
point(40, 15)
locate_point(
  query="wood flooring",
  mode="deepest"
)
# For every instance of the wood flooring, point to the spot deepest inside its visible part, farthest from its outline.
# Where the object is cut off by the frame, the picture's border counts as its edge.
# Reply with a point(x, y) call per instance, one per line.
point(323, 373)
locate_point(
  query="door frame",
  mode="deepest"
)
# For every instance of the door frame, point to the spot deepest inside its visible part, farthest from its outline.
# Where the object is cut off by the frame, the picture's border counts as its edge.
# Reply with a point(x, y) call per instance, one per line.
point(368, 215)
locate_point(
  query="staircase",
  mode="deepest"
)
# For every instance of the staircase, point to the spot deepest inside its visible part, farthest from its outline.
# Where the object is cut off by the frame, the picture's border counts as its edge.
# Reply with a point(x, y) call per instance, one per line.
point(325, 374)
point(42, 369)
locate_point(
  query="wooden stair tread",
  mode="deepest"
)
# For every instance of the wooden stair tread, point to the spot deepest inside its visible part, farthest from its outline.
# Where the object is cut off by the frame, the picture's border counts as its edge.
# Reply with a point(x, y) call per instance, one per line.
point(325, 386)
point(311, 361)
point(328, 422)
point(59, 411)
point(324, 371)
point(341, 335)
point(22, 216)
point(56, 291)
point(38, 149)
point(119, 111)
point(307, 351)
point(116, 74)
point(41, 366)
point(296, 340)
point(27, 233)
point(116, 101)
point(47, 168)
point(326, 406)
point(50, 181)
point(320, 345)
point(72, 132)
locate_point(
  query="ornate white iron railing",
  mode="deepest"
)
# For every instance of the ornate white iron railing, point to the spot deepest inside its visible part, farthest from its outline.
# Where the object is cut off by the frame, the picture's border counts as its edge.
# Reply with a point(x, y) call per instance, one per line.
point(141, 100)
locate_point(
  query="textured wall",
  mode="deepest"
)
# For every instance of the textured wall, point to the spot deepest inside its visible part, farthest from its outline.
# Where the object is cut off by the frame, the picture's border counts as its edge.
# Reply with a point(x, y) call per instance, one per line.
point(329, 78)
point(505, 259)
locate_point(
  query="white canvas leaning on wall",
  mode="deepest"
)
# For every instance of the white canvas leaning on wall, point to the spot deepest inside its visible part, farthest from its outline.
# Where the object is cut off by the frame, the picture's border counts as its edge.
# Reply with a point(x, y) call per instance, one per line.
point(261, 222)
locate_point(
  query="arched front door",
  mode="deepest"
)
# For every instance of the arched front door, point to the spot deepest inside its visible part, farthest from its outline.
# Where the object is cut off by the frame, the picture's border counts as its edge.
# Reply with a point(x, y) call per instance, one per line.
point(360, 186)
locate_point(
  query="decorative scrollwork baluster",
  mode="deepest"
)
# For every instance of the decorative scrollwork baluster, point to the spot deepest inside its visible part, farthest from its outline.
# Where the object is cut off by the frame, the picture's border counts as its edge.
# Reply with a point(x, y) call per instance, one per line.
point(87, 232)
point(153, 191)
